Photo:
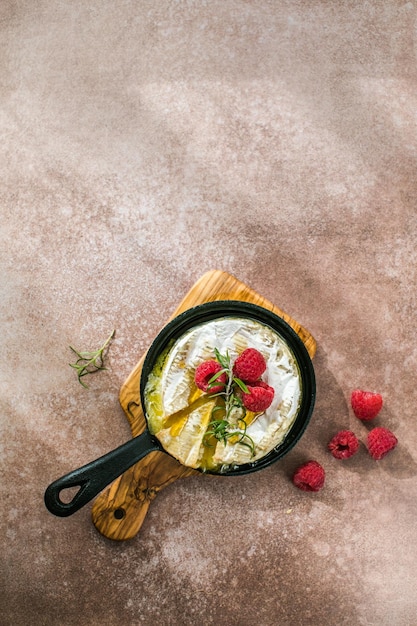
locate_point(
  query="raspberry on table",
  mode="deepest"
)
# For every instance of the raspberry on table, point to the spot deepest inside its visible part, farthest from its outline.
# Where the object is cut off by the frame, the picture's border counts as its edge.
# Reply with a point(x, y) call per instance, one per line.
point(249, 365)
point(366, 404)
point(380, 441)
point(203, 374)
point(259, 398)
point(344, 444)
point(309, 477)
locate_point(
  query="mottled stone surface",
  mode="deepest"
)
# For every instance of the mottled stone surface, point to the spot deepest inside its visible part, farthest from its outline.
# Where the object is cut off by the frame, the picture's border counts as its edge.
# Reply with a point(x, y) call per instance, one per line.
point(144, 143)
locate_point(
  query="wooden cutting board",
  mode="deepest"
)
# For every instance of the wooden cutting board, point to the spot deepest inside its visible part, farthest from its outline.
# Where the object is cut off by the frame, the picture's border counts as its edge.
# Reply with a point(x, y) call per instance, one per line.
point(119, 511)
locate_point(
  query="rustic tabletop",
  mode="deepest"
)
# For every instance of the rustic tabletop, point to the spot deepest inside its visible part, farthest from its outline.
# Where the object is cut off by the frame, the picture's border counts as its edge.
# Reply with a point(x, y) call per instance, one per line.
point(145, 144)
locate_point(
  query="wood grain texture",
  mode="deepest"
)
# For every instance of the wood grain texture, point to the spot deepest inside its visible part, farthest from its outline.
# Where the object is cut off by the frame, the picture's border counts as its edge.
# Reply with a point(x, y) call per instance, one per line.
point(119, 511)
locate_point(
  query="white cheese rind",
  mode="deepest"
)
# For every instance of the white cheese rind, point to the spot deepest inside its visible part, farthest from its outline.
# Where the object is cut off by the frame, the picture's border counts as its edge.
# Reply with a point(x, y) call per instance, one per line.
point(175, 383)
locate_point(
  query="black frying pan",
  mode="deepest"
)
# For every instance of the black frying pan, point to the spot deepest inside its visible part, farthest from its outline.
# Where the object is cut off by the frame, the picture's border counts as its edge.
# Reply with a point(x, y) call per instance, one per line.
point(95, 476)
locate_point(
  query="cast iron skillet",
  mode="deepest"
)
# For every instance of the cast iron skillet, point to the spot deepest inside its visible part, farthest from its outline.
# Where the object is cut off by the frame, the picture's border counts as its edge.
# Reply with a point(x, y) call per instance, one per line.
point(95, 476)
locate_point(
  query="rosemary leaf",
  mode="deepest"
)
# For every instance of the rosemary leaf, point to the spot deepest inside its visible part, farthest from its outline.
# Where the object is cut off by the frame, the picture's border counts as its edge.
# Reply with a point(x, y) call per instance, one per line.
point(241, 384)
point(224, 360)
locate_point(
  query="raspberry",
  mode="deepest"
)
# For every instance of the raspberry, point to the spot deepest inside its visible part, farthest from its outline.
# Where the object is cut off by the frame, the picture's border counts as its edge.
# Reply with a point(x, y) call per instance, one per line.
point(204, 372)
point(309, 476)
point(366, 404)
point(259, 397)
point(344, 444)
point(249, 365)
point(380, 441)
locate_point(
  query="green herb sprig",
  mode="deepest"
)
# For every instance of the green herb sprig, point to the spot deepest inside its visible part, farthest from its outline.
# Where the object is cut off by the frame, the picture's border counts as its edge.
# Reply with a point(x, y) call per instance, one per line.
point(222, 429)
point(90, 362)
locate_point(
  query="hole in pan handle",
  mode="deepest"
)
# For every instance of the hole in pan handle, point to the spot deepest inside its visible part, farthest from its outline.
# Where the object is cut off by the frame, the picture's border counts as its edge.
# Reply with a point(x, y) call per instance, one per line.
point(96, 475)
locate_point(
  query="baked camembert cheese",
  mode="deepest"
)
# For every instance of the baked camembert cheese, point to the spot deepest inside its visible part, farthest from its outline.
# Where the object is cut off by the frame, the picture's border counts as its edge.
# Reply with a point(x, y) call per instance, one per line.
point(180, 415)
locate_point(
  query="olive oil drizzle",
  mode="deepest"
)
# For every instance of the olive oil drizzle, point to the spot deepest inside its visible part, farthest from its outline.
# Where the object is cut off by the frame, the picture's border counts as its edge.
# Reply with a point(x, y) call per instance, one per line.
point(174, 418)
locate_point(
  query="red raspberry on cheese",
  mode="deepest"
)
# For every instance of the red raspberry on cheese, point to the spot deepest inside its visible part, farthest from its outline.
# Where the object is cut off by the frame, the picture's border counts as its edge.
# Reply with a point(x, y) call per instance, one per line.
point(259, 397)
point(249, 365)
point(205, 372)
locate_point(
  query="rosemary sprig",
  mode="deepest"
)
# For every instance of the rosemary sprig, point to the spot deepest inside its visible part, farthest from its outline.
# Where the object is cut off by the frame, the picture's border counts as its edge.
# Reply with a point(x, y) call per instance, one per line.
point(222, 429)
point(90, 362)
point(218, 430)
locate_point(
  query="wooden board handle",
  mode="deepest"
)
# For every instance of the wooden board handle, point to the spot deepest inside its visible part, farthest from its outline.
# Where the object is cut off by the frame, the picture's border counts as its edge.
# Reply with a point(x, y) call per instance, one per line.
point(119, 512)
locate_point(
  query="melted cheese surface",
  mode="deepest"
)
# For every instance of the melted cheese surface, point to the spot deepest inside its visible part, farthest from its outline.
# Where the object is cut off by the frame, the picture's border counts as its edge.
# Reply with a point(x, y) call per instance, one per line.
point(179, 413)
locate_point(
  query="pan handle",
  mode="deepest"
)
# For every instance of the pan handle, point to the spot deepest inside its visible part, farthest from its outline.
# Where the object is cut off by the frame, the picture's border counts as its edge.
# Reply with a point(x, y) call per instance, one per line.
point(96, 475)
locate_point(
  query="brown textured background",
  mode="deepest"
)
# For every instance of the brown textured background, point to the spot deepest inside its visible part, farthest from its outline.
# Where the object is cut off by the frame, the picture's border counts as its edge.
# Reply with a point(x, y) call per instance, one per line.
point(144, 143)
